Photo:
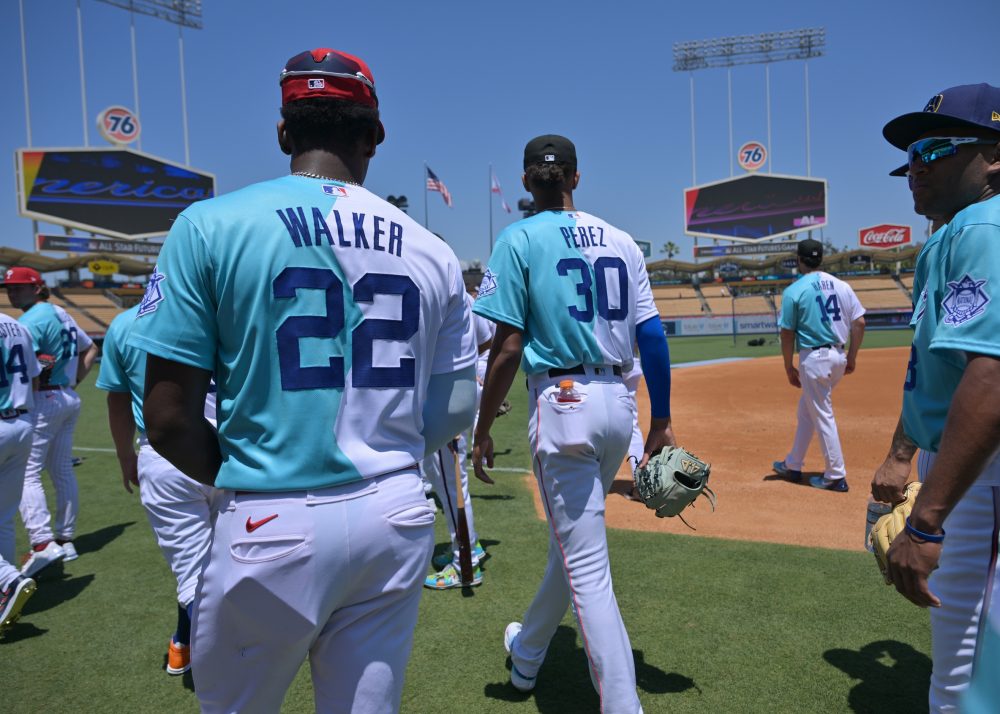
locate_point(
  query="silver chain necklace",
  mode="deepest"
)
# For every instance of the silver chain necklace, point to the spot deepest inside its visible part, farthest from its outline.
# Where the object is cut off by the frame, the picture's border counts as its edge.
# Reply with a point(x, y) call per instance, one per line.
point(308, 174)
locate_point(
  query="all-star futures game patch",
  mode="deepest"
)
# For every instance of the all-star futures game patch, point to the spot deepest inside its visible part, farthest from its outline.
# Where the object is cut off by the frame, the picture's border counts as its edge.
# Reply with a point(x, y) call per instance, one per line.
point(489, 284)
point(966, 300)
point(154, 295)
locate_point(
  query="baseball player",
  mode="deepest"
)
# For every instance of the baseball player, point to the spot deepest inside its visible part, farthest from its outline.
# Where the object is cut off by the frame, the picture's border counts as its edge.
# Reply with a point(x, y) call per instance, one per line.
point(179, 509)
point(18, 367)
point(572, 327)
point(819, 312)
point(338, 332)
point(83, 357)
point(439, 469)
point(947, 559)
point(57, 408)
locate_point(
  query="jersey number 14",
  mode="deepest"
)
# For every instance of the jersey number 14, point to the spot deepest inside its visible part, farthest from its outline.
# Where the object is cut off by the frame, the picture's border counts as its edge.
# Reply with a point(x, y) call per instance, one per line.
point(829, 307)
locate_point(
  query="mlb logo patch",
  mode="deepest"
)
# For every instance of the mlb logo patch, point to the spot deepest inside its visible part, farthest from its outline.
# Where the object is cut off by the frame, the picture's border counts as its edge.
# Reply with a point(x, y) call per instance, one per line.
point(332, 190)
point(550, 157)
point(317, 83)
point(966, 300)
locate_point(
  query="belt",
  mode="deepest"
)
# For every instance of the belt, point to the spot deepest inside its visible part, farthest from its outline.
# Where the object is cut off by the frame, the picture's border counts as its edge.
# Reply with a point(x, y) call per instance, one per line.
point(49, 387)
point(579, 369)
point(12, 413)
point(826, 347)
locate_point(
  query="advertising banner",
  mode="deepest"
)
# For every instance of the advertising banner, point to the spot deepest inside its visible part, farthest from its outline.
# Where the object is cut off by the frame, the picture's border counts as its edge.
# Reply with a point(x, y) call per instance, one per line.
point(115, 192)
point(722, 251)
point(886, 235)
point(103, 267)
point(756, 207)
point(86, 244)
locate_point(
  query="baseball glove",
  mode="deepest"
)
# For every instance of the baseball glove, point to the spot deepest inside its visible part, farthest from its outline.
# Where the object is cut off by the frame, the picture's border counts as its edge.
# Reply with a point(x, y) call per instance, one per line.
point(891, 525)
point(671, 482)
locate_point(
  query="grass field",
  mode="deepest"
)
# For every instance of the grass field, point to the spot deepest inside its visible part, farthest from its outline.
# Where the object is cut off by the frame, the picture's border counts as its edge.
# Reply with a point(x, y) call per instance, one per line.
point(716, 626)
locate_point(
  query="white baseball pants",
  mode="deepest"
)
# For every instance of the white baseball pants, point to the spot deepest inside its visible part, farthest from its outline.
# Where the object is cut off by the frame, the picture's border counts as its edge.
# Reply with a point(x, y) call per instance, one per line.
point(180, 511)
point(577, 451)
point(15, 447)
point(439, 468)
point(967, 582)
point(56, 412)
point(819, 372)
point(333, 573)
point(637, 445)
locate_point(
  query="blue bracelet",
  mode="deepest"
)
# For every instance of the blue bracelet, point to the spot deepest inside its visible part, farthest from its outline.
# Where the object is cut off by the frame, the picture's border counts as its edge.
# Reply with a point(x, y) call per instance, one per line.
point(924, 536)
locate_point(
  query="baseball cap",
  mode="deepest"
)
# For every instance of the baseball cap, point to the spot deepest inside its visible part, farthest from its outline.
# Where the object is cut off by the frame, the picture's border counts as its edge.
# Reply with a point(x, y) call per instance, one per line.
point(20, 275)
point(901, 171)
point(972, 105)
point(325, 72)
point(810, 248)
point(549, 149)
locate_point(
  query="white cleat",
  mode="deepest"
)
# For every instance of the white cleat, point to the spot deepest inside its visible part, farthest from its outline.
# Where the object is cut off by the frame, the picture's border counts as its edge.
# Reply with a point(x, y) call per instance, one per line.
point(520, 682)
point(39, 559)
point(70, 550)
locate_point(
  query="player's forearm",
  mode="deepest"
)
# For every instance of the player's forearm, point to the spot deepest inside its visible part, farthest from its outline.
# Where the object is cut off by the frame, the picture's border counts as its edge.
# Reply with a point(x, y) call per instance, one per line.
point(655, 355)
point(87, 360)
point(505, 357)
point(121, 421)
point(969, 441)
point(857, 336)
point(787, 347)
point(173, 412)
point(902, 448)
point(450, 407)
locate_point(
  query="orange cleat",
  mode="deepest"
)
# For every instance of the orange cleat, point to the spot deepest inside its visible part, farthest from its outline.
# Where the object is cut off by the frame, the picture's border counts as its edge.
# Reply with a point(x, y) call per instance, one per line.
point(178, 658)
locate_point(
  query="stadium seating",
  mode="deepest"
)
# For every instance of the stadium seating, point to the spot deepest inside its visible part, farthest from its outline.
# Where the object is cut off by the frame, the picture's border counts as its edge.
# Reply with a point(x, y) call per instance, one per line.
point(880, 292)
point(748, 305)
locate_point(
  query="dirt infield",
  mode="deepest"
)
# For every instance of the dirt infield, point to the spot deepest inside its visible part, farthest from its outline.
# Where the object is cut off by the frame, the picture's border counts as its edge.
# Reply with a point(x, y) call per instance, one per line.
point(740, 416)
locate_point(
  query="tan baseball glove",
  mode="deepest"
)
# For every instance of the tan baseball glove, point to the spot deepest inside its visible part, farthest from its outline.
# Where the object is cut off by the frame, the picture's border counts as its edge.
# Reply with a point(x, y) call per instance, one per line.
point(672, 480)
point(891, 525)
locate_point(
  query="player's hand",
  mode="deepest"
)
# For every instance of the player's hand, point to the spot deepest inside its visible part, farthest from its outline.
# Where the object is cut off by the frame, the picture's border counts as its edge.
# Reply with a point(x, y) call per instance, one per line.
point(793, 377)
point(910, 563)
point(889, 480)
point(852, 364)
point(659, 436)
point(482, 449)
point(453, 445)
point(130, 472)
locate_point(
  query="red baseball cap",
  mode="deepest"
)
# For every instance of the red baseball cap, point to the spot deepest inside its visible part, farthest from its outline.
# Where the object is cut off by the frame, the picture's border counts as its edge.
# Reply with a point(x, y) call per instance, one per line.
point(20, 275)
point(325, 72)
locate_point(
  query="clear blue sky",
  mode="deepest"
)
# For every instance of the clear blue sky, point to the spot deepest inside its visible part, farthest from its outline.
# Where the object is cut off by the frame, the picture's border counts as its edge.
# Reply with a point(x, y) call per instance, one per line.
point(463, 85)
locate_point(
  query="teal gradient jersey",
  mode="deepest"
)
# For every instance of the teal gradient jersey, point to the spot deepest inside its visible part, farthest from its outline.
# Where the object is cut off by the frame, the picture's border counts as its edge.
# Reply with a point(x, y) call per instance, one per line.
point(323, 311)
point(819, 309)
point(958, 279)
point(51, 337)
point(575, 285)
point(17, 365)
point(123, 367)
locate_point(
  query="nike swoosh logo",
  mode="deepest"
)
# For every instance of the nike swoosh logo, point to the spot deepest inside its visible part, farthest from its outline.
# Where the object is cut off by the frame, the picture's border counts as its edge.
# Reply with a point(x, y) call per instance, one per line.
point(252, 526)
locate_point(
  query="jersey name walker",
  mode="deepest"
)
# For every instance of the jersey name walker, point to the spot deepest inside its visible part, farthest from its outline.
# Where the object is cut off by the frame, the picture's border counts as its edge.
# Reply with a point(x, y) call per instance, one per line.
point(17, 365)
point(583, 308)
point(819, 308)
point(323, 311)
point(953, 315)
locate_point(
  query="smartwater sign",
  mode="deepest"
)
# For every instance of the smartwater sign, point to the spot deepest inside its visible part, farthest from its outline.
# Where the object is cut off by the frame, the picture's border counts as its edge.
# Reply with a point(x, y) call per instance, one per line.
point(115, 192)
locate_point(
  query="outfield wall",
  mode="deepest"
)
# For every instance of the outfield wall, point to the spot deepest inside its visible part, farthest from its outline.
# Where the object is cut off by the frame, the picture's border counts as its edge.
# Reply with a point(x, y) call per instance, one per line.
point(764, 324)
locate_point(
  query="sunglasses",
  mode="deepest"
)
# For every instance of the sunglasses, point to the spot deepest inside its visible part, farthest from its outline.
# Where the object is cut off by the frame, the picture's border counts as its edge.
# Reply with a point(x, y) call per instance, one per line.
point(937, 147)
point(333, 65)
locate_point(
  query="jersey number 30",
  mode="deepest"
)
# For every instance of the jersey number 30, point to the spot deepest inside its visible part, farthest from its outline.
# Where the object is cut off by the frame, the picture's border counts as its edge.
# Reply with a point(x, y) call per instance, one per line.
point(601, 268)
point(363, 373)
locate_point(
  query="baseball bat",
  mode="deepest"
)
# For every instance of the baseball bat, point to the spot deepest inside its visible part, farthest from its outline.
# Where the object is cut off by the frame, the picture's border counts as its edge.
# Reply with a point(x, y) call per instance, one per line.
point(462, 524)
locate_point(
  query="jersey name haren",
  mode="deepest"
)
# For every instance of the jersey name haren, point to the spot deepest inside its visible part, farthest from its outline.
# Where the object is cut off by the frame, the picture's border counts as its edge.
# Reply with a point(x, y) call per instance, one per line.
point(350, 233)
point(823, 285)
point(583, 236)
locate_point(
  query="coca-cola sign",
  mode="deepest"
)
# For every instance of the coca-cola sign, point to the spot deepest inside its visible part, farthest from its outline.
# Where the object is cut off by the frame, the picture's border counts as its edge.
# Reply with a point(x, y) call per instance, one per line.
point(884, 236)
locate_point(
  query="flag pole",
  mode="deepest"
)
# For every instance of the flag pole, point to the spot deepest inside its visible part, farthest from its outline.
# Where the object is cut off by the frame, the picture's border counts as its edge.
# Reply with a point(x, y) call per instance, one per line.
point(425, 195)
point(491, 209)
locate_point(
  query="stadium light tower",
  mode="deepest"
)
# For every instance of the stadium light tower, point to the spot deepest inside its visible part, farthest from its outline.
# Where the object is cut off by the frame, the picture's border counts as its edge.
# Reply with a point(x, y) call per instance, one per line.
point(763, 49)
point(183, 13)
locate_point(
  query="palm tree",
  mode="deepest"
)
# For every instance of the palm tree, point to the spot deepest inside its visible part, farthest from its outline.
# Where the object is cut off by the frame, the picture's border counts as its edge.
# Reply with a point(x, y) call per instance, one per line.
point(671, 249)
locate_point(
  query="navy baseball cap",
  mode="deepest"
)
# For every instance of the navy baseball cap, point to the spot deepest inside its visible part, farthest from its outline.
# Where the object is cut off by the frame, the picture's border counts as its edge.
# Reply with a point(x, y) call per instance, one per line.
point(972, 105)
point(901, 171)
point(549, 149)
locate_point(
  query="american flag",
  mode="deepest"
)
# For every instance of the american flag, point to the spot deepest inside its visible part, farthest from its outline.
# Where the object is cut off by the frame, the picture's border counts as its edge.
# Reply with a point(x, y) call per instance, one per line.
point(436, 184)
point(495, 188)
